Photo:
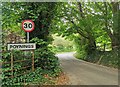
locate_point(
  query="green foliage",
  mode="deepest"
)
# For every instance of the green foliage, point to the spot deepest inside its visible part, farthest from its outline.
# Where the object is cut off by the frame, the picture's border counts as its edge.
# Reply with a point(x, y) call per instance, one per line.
point(39, 42)
point(36, 77)
point(61, 44)
point(45, 63)
point(80, 46)
point(61, 48)
point(46, 59)
point(108, 58)
point(10, 16)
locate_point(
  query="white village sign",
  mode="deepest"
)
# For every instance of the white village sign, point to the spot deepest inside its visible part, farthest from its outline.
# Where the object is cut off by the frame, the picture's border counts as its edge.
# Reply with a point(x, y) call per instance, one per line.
point(25, 46)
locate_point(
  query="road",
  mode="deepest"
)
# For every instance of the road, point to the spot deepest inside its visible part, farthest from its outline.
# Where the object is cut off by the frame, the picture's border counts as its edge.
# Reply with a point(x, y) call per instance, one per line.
point(85, 73)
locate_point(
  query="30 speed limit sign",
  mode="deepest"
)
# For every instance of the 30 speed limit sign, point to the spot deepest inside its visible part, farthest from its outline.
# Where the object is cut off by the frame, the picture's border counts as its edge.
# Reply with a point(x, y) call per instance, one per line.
point(28, 25)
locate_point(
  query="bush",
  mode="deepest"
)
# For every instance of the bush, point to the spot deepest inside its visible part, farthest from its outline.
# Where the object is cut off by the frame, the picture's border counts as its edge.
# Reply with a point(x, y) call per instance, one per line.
point(60, 48)
point(45, 59)
point(36, 77)
point(107, 58)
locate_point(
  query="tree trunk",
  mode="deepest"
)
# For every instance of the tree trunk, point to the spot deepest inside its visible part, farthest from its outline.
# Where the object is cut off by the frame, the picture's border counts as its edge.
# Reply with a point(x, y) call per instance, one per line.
point(91, 41)
point(92, 44)
point(114, 42)
point(115, 37)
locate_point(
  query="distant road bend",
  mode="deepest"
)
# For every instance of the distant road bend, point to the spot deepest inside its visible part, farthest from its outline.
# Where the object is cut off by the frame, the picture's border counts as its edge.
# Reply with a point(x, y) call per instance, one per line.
point(85, 73)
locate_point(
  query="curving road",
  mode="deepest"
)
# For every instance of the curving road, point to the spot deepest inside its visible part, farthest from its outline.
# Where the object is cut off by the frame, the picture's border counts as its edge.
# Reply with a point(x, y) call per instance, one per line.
point(85, 73)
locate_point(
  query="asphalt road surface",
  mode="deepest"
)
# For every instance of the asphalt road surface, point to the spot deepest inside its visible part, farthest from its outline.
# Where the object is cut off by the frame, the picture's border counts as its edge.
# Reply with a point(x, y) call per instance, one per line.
point(85, 73)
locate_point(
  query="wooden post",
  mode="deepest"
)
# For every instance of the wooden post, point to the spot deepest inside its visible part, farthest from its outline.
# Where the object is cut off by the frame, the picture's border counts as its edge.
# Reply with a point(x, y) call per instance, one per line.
point(33, 60)
point(24, 82)
point(12, 63)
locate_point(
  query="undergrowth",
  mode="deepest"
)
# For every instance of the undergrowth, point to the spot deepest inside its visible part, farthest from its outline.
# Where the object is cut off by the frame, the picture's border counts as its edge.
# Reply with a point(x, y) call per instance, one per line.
point(33, 78)
point(106, 58)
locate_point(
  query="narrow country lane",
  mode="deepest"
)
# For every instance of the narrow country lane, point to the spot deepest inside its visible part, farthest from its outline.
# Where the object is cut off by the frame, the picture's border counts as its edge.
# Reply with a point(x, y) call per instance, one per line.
point(85, 73)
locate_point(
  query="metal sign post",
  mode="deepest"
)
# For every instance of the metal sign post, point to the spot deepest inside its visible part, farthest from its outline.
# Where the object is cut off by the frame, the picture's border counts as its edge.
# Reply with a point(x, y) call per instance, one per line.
point(27, 37)
point(119, 5)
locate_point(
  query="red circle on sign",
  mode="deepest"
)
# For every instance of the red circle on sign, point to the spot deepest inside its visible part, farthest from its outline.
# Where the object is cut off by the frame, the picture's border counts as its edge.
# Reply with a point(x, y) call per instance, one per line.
point(28, 22)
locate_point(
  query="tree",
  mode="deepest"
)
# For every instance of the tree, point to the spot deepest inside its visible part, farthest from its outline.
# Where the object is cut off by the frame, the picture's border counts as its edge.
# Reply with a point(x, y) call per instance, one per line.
point(78, 18)
point(109, 18)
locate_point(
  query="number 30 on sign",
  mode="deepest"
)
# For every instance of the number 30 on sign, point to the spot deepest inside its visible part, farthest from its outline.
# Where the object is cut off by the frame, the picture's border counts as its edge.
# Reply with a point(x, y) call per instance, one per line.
point(28, 25)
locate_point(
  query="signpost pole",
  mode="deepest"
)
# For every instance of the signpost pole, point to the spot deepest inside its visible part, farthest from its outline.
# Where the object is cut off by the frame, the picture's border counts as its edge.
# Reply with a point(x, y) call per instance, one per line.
point(27, 41)
point(27, 37)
